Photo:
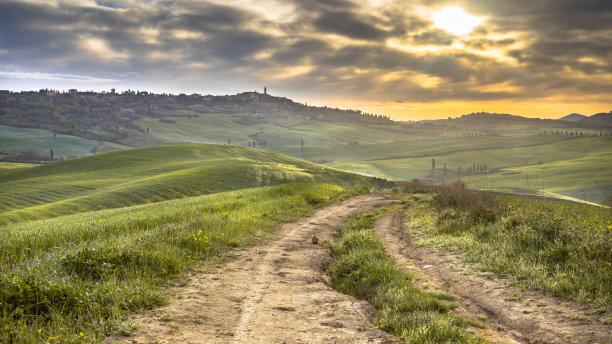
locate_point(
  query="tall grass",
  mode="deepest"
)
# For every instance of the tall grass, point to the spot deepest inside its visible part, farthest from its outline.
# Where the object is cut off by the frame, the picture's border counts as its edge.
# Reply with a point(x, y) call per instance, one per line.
point(363, 269)
point(561, 248)
point(74, 279)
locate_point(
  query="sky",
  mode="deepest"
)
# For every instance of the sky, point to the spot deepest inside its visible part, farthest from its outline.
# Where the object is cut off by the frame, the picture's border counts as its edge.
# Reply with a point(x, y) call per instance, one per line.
point(408, 59)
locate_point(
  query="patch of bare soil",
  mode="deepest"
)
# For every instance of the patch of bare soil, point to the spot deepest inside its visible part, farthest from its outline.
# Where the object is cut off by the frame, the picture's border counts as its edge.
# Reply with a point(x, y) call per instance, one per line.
point(274, 292)
point(513, 314)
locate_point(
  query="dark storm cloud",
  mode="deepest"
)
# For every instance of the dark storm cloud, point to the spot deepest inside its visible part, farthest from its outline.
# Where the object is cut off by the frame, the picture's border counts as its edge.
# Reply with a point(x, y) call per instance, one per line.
point(349, 24)
point(17, 29)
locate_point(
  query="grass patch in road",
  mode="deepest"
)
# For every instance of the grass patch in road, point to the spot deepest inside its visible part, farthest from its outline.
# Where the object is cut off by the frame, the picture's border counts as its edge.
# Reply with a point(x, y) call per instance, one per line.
point(75, 279)
point(561, 248)
point(363, 269)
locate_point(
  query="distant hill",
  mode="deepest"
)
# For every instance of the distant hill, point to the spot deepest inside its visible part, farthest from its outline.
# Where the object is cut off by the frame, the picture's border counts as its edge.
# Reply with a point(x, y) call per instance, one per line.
point(507, 124)
point(144, 175)
point(573, 117)
point(600, 118)
point(116, 117)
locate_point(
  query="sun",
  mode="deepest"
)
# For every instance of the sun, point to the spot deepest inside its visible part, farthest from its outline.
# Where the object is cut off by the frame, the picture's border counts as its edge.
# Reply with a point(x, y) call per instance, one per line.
point(455, 20)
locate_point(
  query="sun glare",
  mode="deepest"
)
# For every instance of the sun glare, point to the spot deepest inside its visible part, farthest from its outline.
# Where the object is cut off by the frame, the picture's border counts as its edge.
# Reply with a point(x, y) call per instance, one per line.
point(455, 20)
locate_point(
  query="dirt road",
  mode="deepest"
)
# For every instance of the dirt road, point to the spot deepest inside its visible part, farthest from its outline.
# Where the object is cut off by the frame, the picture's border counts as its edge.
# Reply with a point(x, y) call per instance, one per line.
point(274, 292)
point(515, 315)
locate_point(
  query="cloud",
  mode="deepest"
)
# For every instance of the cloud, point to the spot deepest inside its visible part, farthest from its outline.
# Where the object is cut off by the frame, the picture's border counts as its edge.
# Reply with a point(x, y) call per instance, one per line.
point(380, 50)
point(349, 24)
point(434, 37)
point(62, 77)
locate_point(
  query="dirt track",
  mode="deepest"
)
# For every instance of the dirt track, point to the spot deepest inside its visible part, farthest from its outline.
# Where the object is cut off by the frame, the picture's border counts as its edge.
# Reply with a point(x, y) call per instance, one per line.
point(516, 315)
point(274, 292)
point(277, 292)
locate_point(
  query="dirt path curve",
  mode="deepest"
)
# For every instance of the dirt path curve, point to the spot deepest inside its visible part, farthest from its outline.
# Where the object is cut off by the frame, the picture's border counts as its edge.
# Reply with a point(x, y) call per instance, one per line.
point(518, 315)
point(274, 292)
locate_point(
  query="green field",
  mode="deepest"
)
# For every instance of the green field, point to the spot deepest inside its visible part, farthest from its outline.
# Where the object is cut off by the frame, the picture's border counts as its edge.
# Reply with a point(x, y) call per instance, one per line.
point(518, 159)
point(39, 141)
point(146, 175)
point(277, 132)
point(549, 165)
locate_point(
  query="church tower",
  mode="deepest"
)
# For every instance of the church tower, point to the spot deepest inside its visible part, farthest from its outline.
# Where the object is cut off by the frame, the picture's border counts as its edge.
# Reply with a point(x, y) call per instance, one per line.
point(265, 90)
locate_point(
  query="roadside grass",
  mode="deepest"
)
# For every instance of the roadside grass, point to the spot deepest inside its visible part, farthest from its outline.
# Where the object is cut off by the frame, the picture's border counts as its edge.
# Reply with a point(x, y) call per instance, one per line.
point(76, 278)
point(363, 269)
point(561, 248)
point(147, 175)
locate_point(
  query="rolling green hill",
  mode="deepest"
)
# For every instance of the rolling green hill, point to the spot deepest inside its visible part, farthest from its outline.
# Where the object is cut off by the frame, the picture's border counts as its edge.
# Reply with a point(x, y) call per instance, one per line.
point(145, 175)
point(570, 156)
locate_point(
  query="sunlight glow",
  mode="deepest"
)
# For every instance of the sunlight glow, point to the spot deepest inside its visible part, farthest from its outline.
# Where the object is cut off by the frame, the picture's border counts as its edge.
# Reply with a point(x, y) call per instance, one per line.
point(455, 20)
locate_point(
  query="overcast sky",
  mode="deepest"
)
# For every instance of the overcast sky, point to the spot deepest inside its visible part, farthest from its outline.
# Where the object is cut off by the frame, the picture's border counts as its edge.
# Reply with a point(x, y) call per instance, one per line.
point(403, 58)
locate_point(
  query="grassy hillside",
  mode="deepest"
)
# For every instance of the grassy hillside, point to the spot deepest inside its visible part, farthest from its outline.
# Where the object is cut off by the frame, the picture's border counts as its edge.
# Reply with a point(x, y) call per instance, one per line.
point(76, 278)
point(39, 141)
point(147, 175)
point(285, 131)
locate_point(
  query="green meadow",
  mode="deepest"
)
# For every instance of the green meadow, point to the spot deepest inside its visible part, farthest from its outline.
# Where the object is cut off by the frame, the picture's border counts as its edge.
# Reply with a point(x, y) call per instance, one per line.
point(517, 157)
point(279, 131)
point(561, 167)
point(39, 141)
point(146, 175)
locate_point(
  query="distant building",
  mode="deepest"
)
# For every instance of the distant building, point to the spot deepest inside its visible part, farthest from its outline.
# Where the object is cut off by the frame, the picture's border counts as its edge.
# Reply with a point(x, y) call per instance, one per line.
point(112, 91)
point(265, 89)
point(50, 93)
point(72, 91)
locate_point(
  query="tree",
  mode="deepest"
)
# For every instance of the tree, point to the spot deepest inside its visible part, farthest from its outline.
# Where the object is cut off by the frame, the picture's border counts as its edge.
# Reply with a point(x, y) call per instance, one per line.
point(433, 164)
point(229, 141)
point(51, 153)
